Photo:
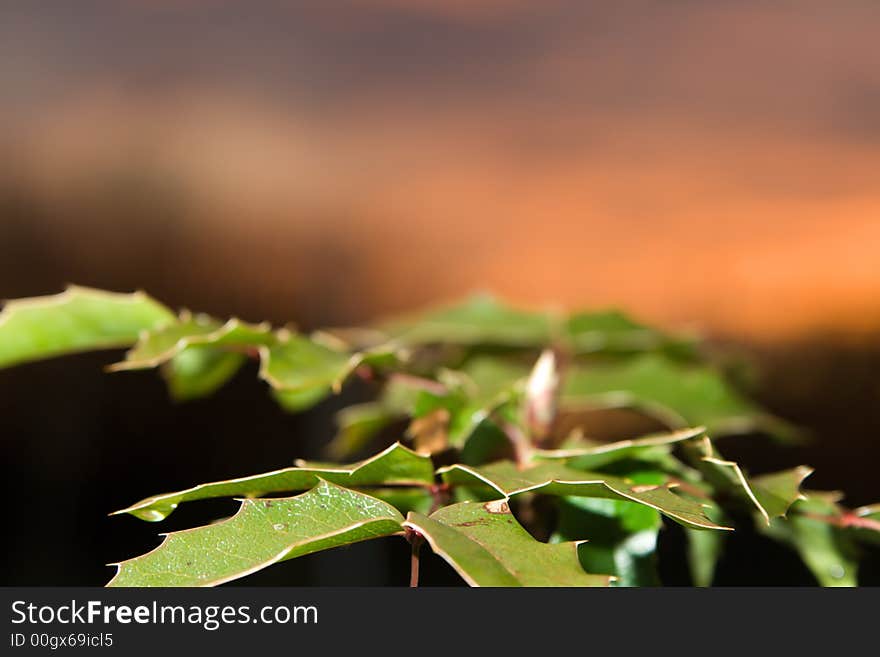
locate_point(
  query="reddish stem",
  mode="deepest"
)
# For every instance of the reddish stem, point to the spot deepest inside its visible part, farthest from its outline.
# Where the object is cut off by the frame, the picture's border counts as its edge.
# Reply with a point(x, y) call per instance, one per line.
point(415, 540)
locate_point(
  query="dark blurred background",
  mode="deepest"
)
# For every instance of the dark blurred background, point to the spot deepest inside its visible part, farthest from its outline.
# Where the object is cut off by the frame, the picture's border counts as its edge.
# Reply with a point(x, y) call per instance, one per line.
point(709, 166)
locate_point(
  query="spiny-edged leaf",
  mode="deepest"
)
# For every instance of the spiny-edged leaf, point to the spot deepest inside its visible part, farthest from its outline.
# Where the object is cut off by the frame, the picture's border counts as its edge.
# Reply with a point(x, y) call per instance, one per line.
point(622, 536)
point(357, 426)
point(558, 479)
point(396, 465)
point(263, 532)
point(679, 395)
point(478, 320)
point(303, 371)
point(487, 546)
point(771, 494)
point(78, 319)
point(777, 491)
point(614, 331)
point(826, 549)
point(200, 371)
point(594, 455)
point(161, 345)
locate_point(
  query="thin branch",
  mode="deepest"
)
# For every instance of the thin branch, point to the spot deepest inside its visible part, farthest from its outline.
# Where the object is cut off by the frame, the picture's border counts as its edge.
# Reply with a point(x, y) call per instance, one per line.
point(415, 540)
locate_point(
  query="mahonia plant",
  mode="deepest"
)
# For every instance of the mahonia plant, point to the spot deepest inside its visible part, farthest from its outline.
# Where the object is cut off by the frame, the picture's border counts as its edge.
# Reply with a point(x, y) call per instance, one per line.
point(495, 402)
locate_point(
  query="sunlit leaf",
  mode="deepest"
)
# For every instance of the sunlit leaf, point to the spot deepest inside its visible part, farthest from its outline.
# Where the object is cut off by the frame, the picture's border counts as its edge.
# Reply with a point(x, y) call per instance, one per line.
point(553, 478)
point(263, 532)
point(396, 465)
point(677, 394)
point(478, 320)
point(200, 371)
point(614, 331)
point(78, 319)
point(486, 545)
point(303, 371)
point(159, 346)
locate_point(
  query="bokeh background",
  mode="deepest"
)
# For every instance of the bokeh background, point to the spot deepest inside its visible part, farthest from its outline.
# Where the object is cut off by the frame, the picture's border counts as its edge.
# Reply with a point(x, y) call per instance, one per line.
point(706, 165)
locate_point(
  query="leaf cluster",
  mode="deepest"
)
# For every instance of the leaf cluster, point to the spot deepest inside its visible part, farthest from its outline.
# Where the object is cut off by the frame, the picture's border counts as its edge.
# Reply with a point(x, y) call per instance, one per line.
point(499, 469)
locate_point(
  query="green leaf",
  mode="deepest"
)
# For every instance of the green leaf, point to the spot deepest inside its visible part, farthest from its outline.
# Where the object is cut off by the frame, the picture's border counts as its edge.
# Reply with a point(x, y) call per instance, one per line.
point(777, 491)
point(861, 524)
point(825, 549)
point(559, 479)
point(621, 536)
point(771, 494)
point(487, 546)
point(263, 532)
point(161, 345)
point(396, 465)
point(678, 395)
point(299, 364)
point(704, 549)
point(406, 499)
point(595, 455)
point(614, 331)
point(869, 517)
point(200, 371)
point(357, 426)
point(478, 320)
point(484, 386)
point(303, 371)
point(78, 319)
point(867, 523)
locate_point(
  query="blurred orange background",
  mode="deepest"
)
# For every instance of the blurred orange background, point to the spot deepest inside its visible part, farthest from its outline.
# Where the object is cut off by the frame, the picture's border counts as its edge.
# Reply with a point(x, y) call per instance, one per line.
point(706, 165)
point(711, 165)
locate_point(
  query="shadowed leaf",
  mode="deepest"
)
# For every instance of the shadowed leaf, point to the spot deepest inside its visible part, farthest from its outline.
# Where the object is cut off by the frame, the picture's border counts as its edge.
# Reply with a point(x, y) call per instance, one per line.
point(357, 426)
point(826, 549)
point(621, 536)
